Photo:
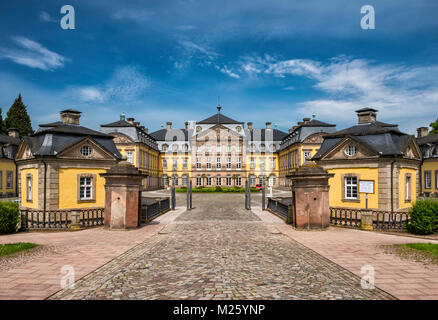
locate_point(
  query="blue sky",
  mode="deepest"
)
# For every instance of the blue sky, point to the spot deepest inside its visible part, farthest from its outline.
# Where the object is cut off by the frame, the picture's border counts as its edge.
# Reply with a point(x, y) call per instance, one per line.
point(275, 61)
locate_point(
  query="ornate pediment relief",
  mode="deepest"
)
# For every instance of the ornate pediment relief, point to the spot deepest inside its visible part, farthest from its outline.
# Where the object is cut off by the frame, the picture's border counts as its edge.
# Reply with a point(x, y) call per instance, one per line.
point(315, 138)
point(121, 138)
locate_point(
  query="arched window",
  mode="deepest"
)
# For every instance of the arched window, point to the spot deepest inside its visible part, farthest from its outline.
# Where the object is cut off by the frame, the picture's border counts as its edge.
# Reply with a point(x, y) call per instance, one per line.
point(164, 147)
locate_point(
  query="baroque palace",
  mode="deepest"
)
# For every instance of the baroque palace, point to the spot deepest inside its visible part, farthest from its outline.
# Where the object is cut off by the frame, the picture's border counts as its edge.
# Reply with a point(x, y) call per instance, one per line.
point(373, 164)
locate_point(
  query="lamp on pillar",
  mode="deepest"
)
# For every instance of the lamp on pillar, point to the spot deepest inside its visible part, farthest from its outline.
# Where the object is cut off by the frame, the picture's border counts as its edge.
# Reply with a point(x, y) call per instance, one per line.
point(122, 196)
point(310, 190)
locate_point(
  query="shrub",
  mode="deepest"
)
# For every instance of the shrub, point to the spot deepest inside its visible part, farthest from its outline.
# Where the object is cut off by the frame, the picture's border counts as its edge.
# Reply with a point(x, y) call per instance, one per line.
point(9, 217)
point(218, 189)
point(423, 217)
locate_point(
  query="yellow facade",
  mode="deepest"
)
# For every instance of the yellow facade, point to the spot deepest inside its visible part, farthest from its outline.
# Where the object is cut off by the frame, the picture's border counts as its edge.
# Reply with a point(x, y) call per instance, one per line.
point(33, 173)
point(407, 195)
point(258, 170)
point(68, 188)
point(336, 194)
point(430, 165)
point(6, 166)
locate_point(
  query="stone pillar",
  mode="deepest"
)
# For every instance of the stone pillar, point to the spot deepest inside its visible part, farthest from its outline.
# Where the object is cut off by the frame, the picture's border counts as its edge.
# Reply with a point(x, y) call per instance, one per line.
point(122, 196)
point(311, 197)
point(366, 220)
point(75, 216)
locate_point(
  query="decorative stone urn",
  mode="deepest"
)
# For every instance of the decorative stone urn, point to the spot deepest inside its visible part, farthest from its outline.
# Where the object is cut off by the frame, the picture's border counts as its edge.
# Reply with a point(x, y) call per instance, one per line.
point(310, 192)
point(122, 196)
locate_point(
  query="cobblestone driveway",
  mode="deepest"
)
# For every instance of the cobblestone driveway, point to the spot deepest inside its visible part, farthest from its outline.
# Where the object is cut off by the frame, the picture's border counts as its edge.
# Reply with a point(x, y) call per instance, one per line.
point(220, 251)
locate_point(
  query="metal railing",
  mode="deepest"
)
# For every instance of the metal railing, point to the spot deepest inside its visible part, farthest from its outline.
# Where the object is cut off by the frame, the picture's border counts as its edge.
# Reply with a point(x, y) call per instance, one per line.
point(153, 207)
point(282, 209)
point(33, 219)
point(382, 220)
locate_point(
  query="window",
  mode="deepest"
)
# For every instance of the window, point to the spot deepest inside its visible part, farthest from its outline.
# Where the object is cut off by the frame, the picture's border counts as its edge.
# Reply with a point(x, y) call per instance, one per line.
point(238, 181)
point(350, 151)
point(218, 181)
point(252, 181)
point(262, 163)
point(208, 181)
point(350, 187)
point(185, 163)
point(85, 151)
point(218, 149)
point(228, 163)
point(272, 163)
point(408, 187)
point(9, 179)
point(238, 163)
point(427, 180)
point(252, 147)
point(185, 180)
point(85, 188)
point(208, 164)
point(198, 181)
point(29, 187)
point(175, 147)
point(262, 147)
point(262, 179)
point(228, 181)
point(208, 149)
point(175, 179)
point(130, 157)
point(198, 149)
point(198, 163)
point(228, 148)
point(164, 163)
point(272, 180)
point(218, 163)
point(164, 180)
point(185, 147)
point(252, 163)
point(238, 149)
point(174, 164)
point(164, 147)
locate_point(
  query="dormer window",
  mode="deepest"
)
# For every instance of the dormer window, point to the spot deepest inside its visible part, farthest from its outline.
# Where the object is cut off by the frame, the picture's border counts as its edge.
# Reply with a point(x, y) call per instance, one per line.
point(350, 151)
point(86, 151)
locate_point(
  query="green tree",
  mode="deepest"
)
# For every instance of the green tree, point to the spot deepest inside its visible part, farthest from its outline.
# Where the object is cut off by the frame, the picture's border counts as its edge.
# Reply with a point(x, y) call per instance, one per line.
point(434, 125)
point(18, 118)
point(2, 123)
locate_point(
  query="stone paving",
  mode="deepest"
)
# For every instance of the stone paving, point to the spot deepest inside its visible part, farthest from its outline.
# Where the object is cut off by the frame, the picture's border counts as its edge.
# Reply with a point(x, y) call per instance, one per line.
point(220, 251)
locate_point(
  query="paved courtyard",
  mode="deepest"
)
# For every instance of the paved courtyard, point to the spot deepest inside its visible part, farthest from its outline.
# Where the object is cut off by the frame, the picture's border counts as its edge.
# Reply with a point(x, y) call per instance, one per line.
point(220, 251)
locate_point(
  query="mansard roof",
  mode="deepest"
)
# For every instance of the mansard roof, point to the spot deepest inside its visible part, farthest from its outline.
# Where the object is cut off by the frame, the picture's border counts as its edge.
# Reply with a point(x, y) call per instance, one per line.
point(219, 119)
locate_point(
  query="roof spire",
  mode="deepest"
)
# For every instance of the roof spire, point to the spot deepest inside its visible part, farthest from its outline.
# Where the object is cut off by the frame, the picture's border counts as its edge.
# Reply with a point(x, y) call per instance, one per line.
point(218, 104)
point(314, 115)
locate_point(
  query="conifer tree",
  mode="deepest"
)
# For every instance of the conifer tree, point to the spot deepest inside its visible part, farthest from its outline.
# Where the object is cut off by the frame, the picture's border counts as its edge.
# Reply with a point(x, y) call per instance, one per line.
point(17, 117)
point(434, 126)
point(2, 123)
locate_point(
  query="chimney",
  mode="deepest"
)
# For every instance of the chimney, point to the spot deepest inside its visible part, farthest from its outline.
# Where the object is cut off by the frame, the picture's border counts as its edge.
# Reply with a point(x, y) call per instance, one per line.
point(187, 125)
point(305, 120)
point(291, 130)
point(366, 115)
point(130, 120)
point(122, 117)
point(294, 127)
point(268, 126)
point(249, 125)
point(70, 116)
point(300, 123)
point(169, 125)
point(421, 132)
point(136, 123)
point(13, 132)
point(146, 130)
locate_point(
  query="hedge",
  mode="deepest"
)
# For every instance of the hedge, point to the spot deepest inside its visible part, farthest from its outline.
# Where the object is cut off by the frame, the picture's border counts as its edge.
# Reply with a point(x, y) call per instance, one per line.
point(9, 216)
point(423, 217)
point(217, 189)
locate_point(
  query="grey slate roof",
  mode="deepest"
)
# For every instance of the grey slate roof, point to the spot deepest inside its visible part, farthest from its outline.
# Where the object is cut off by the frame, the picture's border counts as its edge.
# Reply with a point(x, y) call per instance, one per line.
point(429, 146)
point(385, 139)
point(304, 130)
point(131, 130)
point(172, 134)
point(262, 134)
point(219, 119)
point(51, 139)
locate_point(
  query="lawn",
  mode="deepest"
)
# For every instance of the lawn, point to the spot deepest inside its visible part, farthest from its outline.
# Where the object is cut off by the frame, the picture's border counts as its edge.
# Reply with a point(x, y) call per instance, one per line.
point(10, 248)
point(426, 253)
point(431, 248)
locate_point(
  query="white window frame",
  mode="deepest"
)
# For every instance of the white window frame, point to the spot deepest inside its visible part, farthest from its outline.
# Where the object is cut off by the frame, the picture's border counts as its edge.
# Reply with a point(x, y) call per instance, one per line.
point(428, 179)
point(350, 151)
point(228, 165)
point(238, 164)
point(351, 186)
point(208, 164)
point(85, 186)
point(218, 164)
point(252, 163)
point(218, 181)
point(198, 164)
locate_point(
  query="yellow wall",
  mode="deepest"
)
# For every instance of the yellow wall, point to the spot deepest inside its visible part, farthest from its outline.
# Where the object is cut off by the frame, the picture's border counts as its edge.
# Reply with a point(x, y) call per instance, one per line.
point(68, 188)
point(336, 190)
point(5, 166)
point(431, 166)
point(402, 187)
point(23, 201)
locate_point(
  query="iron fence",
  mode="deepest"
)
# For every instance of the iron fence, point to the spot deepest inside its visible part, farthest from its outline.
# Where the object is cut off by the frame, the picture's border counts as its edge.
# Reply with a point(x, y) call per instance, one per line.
point(153, 207)
point(382, 220)
point(32, 219)
point(280, 208)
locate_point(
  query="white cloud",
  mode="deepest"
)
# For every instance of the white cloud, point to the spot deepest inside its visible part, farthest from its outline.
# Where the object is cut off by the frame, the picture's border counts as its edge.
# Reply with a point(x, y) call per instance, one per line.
point(126, 84)
point(46, 17)
point(133, 14)
point(33, 55)
point(227, 71)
